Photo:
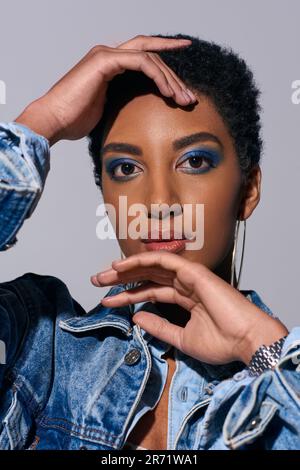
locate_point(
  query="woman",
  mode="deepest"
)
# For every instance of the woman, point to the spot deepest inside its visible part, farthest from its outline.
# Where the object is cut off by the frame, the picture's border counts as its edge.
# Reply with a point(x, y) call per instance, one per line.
point(182, 359)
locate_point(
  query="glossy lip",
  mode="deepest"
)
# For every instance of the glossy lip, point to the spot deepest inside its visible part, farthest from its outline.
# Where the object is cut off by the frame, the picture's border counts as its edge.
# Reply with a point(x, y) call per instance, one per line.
point(159, 236)
point(173, 246)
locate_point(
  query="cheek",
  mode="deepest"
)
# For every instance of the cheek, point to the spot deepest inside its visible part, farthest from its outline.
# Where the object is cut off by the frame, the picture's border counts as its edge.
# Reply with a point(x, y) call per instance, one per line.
point(222, 202)
point(111, 195)
point(220, 196)
point(219, 193)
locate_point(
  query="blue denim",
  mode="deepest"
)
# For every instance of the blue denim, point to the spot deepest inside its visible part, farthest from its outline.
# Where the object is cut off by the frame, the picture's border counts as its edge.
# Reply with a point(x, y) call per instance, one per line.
point(73, 379)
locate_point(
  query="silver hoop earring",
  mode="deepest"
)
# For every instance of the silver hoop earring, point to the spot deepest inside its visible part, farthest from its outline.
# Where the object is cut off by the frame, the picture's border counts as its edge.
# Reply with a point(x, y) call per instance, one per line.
point(234, 253)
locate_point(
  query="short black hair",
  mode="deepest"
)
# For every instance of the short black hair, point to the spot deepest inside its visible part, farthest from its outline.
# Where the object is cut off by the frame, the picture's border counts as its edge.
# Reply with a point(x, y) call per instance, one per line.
point(205, 67)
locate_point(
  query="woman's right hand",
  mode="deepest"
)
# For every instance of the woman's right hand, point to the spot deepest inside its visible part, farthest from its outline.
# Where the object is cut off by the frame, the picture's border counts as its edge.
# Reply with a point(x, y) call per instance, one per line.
point(73, 106)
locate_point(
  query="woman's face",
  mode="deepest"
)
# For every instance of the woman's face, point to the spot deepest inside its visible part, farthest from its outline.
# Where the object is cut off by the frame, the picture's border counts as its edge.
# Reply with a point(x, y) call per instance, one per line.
point(168, 168)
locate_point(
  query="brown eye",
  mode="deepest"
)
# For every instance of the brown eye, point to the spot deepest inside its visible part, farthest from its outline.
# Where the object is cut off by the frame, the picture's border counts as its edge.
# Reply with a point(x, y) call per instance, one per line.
point(127, 168)
point(195, 162)
point(123, 170)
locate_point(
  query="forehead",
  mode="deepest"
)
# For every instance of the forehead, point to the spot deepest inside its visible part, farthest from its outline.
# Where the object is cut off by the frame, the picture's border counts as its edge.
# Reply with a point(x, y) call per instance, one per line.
point(150, 119)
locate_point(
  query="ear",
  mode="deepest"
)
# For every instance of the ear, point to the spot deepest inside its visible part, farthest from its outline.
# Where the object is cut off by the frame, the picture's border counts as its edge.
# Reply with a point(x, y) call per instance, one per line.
point(250, 193)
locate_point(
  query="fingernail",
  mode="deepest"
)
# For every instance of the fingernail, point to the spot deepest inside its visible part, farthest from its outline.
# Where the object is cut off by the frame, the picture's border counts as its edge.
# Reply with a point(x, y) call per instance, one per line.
point(94, 280)
point(186, 96)
point(191, 94)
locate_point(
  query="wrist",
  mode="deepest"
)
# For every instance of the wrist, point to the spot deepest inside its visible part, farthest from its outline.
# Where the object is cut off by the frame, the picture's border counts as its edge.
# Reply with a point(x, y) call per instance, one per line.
point(261, 335)
point(37, 117)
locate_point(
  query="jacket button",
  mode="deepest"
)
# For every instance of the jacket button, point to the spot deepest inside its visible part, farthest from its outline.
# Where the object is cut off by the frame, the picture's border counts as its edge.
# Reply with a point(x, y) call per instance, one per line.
point(132, 357)
point(209, 389)
point(253, 423)
point(10, 244)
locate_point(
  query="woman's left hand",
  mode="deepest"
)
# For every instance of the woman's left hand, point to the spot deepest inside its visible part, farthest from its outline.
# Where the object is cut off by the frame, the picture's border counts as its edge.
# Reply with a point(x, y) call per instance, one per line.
point(224, 325)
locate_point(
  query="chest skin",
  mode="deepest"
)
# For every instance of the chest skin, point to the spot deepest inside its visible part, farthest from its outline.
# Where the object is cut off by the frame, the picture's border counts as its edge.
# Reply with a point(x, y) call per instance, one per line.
point(151, 430)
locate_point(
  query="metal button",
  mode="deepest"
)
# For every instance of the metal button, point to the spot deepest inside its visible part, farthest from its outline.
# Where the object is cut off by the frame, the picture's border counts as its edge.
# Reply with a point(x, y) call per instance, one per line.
point(10, 244)
point(209, 389)
point(132, 357)
point(253, 423)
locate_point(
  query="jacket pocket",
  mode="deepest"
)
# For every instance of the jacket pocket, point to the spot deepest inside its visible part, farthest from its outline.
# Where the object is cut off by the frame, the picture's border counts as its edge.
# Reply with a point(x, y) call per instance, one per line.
point(249, 426)
point(16, 425)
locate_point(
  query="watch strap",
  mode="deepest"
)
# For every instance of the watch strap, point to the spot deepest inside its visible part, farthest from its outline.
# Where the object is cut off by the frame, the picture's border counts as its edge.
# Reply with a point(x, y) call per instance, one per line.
point(266, 357)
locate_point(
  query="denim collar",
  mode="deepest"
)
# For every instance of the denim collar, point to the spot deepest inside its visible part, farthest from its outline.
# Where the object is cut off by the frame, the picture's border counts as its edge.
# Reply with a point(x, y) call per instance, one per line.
point(101, 316)
point(121, 318)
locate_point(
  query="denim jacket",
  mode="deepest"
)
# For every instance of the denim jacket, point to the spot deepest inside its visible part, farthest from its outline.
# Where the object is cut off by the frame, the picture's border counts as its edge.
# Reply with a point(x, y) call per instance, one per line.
point(71, 379)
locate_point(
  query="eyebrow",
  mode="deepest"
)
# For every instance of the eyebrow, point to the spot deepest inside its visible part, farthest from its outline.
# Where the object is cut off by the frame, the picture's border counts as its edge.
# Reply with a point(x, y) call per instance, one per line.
point(177, 144)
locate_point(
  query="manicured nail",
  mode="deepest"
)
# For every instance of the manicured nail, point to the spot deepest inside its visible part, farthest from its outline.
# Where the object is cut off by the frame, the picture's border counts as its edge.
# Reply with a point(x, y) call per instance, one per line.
point(191, 94)
point(186, 96)
point(94, 279)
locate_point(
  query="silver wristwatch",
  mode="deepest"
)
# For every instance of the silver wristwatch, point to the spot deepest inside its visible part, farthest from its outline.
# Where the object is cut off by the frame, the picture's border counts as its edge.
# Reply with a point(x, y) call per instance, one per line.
point(266, 357)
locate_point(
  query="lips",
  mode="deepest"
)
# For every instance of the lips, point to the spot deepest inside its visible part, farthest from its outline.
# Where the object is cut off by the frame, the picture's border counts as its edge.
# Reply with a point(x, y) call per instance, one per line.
point(173, 246)
point(168, 239)
point(160, 236)
point(165, 241)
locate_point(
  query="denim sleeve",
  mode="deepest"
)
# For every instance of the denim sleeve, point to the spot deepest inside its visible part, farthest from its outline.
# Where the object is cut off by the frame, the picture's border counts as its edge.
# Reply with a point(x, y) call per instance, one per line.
point(24, 165)
point(267, 408)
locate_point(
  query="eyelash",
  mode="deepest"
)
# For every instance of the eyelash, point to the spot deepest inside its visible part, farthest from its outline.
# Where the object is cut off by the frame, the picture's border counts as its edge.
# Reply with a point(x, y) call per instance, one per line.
point(210, 157)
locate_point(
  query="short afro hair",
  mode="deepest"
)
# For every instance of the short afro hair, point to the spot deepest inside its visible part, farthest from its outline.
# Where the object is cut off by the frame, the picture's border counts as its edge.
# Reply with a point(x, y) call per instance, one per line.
point(205, 67)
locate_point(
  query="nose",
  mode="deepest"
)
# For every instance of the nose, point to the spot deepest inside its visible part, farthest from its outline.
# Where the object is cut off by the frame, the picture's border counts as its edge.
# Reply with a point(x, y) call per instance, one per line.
point(163, 210)
point(161, 196)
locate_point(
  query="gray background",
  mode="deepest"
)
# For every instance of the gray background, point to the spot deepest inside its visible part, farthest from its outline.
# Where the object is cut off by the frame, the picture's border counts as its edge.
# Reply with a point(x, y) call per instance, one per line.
point(41, 40)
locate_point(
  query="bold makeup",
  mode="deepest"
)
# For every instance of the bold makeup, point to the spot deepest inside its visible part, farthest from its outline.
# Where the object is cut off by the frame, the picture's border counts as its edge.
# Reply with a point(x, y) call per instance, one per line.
point(126, 166)
point(197, 161)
